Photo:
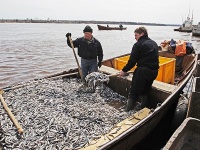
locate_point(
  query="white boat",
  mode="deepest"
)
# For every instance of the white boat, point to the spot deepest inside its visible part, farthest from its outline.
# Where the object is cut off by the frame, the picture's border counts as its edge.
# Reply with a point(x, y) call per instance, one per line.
point(186, 26)
point(196, 30)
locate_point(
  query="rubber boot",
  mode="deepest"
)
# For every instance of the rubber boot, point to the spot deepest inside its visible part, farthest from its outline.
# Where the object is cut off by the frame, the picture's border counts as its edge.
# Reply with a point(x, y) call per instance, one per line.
point(144, 100)
point(84, 82)
point(130, 104)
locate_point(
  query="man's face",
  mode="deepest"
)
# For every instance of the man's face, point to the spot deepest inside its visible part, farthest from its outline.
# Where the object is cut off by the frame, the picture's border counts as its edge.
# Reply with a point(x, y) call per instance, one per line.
point(87, 35)
point(137, 35)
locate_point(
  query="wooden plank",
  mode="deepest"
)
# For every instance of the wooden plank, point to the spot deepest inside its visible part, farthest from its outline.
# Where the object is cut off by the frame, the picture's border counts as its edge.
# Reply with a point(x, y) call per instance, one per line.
point(169, 88)
point(108, 70)
point(164, 86)
point(118, 129)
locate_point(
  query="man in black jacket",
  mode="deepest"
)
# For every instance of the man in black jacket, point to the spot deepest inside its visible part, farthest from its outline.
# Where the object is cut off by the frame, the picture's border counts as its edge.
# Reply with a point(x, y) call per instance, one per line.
point(145, 54)
point(89, 49)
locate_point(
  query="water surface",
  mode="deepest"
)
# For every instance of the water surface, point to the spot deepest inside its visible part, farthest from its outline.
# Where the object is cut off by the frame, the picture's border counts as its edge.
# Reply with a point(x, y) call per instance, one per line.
point(34, 50)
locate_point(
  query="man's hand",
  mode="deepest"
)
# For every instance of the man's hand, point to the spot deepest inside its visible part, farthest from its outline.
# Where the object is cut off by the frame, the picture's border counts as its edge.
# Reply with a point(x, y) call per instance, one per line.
point(122, 73)
point(99, 64)
point(68, 34)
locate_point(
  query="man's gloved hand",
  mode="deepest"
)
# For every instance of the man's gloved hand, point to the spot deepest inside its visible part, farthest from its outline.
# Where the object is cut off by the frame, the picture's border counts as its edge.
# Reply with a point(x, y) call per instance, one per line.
point(122, 73)
point(68, 34)
point(99, 64)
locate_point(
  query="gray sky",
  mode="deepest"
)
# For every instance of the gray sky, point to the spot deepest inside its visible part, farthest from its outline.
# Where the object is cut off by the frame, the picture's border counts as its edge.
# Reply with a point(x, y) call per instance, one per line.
point(148, 11)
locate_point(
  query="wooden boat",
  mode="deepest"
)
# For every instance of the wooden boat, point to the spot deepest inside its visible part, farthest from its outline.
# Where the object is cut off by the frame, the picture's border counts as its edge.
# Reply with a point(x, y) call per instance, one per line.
point(100, 27)
point(132, 130)
point(163, 95)
point(186, 136)
point(196, 30)
point(186, 26)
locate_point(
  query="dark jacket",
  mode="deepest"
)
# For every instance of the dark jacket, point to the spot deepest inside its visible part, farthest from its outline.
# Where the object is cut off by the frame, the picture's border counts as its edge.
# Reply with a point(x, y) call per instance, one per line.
point(88, 50)
point(144, 53)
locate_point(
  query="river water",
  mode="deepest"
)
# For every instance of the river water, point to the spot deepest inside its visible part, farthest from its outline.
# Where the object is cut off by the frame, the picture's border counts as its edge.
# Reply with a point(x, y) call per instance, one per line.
point(30, 51)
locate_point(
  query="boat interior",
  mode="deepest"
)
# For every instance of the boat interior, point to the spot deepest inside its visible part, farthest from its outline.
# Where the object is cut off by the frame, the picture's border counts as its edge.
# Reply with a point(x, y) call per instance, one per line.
point(167, 82)
point(160, 89)
point(158, 94)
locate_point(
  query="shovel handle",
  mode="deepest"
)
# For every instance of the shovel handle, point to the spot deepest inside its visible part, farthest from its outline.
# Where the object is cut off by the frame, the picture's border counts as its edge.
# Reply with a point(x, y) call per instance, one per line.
point(79, 68)
point(12, 117)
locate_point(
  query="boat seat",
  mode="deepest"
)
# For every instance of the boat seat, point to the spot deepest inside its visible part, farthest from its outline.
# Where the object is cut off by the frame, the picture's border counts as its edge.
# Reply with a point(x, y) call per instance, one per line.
point(161, 86)
point(169, 88)
point(166, 87)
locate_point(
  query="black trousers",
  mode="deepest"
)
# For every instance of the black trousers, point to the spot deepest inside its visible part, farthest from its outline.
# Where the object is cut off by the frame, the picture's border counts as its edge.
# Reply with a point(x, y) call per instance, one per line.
point(142, 81)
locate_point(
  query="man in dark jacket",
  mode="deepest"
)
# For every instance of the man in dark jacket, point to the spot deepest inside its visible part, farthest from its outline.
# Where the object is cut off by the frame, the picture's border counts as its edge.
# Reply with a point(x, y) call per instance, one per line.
point(89, 49)
point(145, 54)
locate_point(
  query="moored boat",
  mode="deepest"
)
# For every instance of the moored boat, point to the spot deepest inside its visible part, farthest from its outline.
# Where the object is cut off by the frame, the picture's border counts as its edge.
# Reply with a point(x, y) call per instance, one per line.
point(186, 26)
point(165, 92)
point(196, 30)
point(186, 136)
point(100, 27)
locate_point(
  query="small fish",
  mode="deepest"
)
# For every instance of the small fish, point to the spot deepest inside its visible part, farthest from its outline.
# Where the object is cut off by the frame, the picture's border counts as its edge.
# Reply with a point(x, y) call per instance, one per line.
point(56, 114)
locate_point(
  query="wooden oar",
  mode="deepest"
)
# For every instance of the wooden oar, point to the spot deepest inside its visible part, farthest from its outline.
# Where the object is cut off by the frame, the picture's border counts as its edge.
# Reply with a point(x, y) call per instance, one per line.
point(79, 68)
point(12, 117)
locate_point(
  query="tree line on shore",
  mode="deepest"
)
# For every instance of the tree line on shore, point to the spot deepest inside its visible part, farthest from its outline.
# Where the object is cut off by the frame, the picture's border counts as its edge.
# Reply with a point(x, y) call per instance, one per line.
point(80, 22)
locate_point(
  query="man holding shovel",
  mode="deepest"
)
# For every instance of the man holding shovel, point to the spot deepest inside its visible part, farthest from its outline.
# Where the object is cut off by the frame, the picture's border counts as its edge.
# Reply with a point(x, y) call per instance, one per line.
point(90, 51)
point(145, 54)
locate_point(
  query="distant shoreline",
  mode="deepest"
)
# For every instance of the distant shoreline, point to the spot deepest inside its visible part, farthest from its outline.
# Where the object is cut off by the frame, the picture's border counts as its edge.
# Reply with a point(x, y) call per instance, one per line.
point(81, 22)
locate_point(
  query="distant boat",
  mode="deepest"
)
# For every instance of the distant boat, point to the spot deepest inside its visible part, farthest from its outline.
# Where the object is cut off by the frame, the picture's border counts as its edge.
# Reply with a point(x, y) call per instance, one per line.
point(100, 27)
point(186, 26)
point(196, 30)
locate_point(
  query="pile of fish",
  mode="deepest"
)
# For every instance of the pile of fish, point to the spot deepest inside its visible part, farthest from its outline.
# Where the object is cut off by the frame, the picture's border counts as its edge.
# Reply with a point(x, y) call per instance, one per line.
point(58, 114)
point(95, 80)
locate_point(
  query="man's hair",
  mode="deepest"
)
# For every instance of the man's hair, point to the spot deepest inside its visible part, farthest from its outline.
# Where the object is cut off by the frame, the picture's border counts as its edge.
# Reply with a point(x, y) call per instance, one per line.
point(141, 30)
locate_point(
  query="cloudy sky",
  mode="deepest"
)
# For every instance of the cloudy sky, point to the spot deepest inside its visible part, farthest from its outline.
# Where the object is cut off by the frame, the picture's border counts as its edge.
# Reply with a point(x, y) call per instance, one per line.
point(148, 11)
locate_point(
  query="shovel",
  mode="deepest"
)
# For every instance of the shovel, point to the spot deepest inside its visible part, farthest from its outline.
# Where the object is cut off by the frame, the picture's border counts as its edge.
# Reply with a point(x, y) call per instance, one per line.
point(79, 68)
point(12, 117)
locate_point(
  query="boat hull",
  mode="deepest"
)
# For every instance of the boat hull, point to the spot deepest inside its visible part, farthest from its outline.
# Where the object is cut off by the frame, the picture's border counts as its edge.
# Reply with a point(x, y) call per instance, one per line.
point(160, 100)
point(195, 34)
point(142, 129)
point(137, 133)
point(186, 136)
point(110, 28)
point(183, 30)
point(196, 30)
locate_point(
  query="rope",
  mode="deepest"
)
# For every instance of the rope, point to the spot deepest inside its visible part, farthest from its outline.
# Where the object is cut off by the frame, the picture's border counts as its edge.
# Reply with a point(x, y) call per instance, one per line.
point(190, 87)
